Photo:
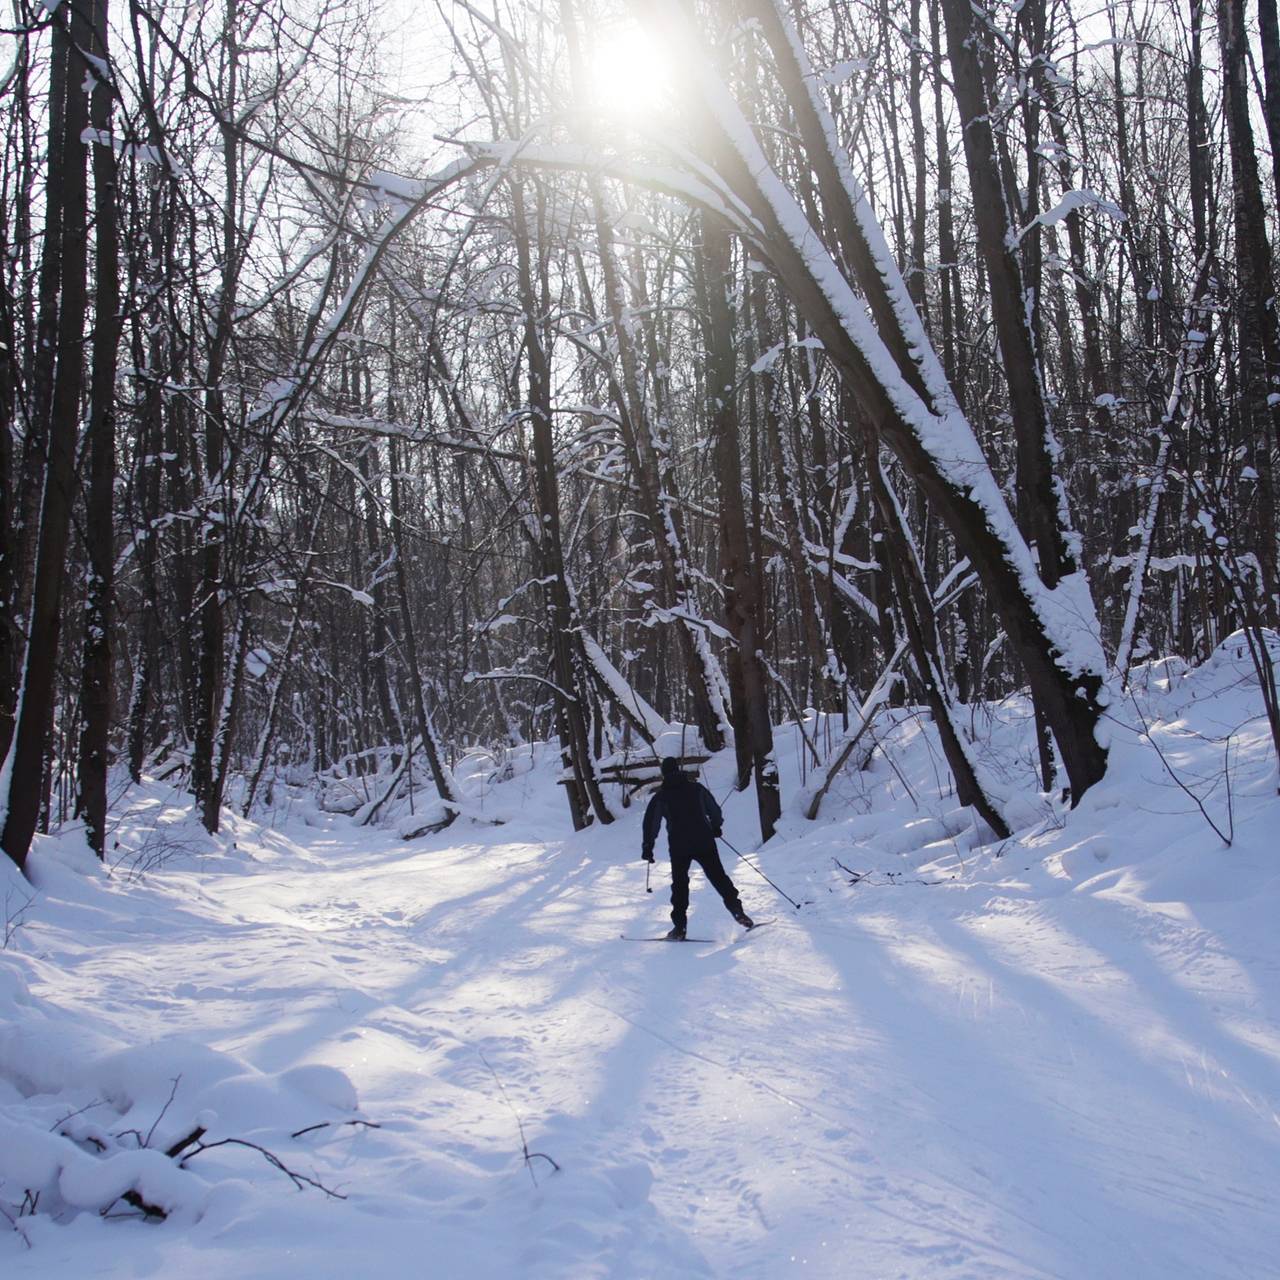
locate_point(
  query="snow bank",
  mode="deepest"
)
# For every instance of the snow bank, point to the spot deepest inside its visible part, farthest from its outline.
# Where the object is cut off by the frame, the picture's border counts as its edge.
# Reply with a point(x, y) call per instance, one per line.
point(89, 1122)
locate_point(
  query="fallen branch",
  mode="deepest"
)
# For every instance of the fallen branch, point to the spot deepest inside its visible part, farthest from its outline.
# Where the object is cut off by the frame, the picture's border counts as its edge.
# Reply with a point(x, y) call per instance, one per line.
point(136, 1201)
point(891, 877)
point(299, 1180)
point(182, 1144)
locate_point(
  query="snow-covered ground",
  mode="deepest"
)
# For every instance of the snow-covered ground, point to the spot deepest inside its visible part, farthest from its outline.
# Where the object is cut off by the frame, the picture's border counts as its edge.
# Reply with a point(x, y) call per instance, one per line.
point(1053, 1057)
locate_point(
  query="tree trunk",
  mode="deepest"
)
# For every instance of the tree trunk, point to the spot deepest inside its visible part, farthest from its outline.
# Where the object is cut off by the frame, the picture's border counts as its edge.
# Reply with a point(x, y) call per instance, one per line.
point(232, 686)
point(660, 501)
point(96, 683)
point(649, 456)
point(1041, 495)
point(920, 626)
point(1270, 41)
point(585, 796)
point(441, 775)
point(64, 261)
point(1258, 342)
point(213, 589)
point(819, 688)
point(743, 607)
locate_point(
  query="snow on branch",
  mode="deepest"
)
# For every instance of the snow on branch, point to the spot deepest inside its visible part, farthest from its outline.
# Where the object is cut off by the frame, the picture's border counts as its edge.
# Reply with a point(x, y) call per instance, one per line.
point(1068, 204)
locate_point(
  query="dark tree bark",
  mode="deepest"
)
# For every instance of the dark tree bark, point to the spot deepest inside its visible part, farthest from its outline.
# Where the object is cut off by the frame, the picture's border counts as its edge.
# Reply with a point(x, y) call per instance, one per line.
point(213, 588)
point(753, 732)
point(920, 626)
point(949, 285)
point(440, 774)
point(10, 543)
point(146, 350)
point(583, 787)
point(96, 683)
point(1258, 341)
point(64, 267)
point(1041, 498)
point(1269, 28)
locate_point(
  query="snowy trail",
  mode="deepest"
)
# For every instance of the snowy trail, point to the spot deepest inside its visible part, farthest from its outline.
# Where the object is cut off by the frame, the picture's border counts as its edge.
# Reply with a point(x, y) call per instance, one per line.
point(967, 1080)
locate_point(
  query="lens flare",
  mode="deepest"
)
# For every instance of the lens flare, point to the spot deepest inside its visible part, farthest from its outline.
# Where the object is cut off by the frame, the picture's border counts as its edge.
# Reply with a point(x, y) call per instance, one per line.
point(629, 73)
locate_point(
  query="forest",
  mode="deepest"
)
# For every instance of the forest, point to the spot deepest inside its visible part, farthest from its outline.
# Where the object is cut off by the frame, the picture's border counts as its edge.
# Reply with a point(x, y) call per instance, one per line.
point(377, 387)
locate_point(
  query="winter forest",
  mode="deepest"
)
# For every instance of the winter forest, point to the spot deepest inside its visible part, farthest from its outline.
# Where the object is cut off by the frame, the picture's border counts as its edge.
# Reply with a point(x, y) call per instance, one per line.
point(420, 420)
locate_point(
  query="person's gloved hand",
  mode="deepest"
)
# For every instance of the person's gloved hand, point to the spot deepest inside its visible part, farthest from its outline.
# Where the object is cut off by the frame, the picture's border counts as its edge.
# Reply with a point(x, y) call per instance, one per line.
point(717, 832)
point(647, 855)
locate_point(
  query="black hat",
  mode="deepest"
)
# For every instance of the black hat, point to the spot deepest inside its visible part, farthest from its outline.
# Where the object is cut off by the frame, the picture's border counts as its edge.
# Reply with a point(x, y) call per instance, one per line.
point(670, 767)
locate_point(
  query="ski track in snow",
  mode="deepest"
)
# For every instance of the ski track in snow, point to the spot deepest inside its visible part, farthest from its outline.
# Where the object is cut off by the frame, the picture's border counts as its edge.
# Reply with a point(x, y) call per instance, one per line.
point(1025, 1071)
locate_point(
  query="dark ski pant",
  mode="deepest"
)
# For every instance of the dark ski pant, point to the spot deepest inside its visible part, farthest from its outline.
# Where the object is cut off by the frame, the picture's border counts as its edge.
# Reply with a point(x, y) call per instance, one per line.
point(709, 861)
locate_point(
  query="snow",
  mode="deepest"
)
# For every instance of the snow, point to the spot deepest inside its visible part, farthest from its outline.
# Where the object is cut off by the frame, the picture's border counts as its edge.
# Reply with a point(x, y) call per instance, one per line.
point(842, 71)
point(1069, 203)
point(141, 152)
point(622, 692)
point(1056, 1056)
point(257, 662)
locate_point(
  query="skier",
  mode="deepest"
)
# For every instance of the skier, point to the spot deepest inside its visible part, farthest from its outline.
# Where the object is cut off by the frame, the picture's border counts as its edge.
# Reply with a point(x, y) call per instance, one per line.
point(693, 822)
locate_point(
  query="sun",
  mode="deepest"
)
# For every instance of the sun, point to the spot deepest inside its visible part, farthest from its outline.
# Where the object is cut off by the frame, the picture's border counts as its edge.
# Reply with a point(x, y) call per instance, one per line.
point(629, 73)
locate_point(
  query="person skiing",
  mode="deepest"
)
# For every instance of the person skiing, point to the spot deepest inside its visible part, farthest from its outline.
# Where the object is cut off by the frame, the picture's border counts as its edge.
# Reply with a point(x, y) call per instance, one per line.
point(693, 823)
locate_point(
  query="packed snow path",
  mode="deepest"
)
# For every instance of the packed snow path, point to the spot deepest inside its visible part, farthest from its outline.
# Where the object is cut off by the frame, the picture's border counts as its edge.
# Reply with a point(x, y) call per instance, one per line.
point(975, 1078)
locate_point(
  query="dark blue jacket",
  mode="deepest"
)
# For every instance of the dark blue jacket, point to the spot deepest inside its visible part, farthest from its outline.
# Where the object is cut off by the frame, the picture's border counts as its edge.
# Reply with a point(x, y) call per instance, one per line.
point(693, 817)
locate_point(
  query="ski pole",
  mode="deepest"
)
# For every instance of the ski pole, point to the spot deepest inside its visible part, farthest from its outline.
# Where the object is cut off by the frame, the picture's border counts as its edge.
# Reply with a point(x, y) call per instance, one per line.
point(761, 874)
point(648, 866)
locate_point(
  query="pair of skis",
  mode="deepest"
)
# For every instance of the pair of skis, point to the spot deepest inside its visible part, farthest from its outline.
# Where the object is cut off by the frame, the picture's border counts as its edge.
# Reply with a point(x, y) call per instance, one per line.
point(626, 937)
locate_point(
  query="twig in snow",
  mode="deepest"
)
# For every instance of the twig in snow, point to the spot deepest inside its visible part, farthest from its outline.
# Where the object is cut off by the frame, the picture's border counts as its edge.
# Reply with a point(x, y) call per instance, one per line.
point(173, 1093)
point(529, 1156)
point(854, 876)
point(890, 877)
point(1226, 773)
point(325, 1124)
point(134, 1199)
point(299, 1180)
point(884, 751)
point(1227, 836)
point(71, 1115)
point(13, 920)
point(16, 1225)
